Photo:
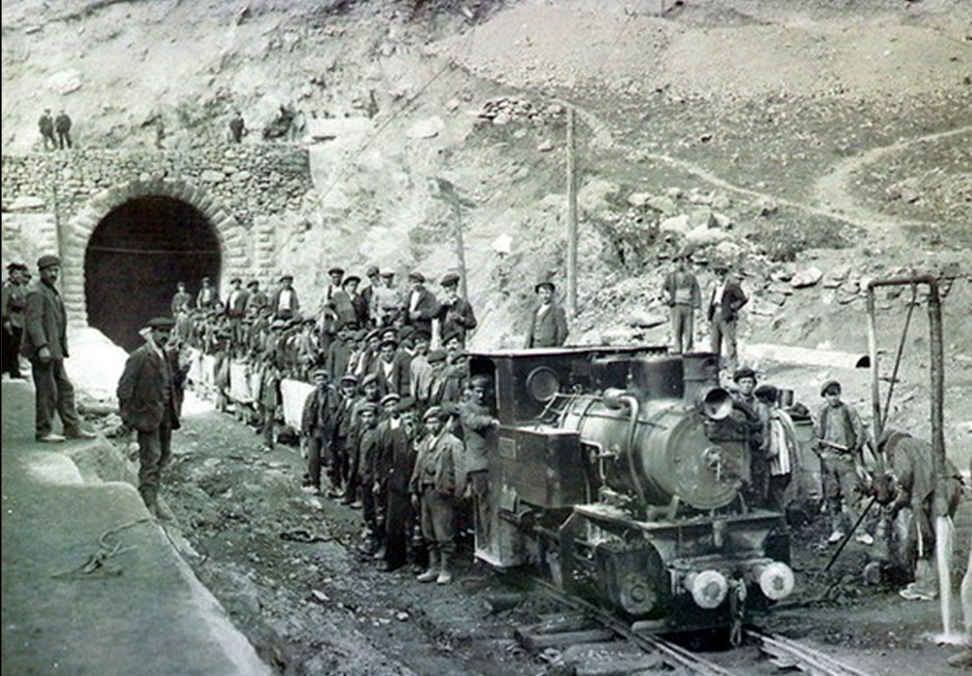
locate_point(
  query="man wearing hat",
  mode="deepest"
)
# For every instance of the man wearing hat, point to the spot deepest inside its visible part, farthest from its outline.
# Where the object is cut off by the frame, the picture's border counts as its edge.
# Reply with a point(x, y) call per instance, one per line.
point(726, 300)
point(437, 377)
point(236, 308)
point(393, 469)
point(435, 489)
point(338, 355)
point(683, 297)
point(317, 426)
point(839, 437)
point(420, 371)
point(373, 274)
point(284, 301)
point(335, 307)
point(181, 299)
point(386, 300)
point(256, 299)
point(13, 303)
point(207, 297)
point(757, 415)
point(392, 368)
point(150, 400)
point(455, 314)
point(44, 344)
point(548, 324)
point(479, 432)
point(339, 467)
point(368, 413)
point(421, 307)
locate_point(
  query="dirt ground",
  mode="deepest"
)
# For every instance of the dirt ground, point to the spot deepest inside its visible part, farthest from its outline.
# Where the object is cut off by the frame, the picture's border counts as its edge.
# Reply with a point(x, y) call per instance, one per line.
point(289, 569)
point(827, 134)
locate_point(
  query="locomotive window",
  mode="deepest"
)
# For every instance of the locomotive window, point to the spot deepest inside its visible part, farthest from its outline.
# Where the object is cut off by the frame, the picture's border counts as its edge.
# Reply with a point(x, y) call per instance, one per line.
point(542, 383)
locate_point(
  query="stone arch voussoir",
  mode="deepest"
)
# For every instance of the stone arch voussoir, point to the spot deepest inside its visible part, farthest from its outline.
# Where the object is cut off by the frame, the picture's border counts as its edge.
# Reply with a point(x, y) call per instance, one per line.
point(80, 227)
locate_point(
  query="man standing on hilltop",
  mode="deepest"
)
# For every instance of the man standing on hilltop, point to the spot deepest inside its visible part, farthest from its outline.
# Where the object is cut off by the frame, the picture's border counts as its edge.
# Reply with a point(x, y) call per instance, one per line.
point(46, 126)
point(62, 125)
point(682, 295)
point(237, 127)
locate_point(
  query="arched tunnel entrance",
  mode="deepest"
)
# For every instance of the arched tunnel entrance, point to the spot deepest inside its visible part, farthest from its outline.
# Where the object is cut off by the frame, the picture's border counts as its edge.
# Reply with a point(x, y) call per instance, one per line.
point(136, 256)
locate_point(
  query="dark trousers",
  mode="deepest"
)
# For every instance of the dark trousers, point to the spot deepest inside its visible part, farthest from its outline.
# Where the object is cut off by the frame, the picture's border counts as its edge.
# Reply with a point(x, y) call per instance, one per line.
point(53, 392)
point(337, 469)
point(397, 519)
point(11, 351)
point(154, 452)
point(778, 484)
point(316, 447)
point(63, 139)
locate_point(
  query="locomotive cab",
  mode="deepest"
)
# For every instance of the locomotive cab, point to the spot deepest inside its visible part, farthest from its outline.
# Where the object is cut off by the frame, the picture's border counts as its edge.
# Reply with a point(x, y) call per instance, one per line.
point(623, 472)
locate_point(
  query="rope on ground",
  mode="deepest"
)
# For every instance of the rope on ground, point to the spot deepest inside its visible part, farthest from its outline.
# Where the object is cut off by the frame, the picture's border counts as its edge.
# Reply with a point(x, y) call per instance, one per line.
point(95, 566)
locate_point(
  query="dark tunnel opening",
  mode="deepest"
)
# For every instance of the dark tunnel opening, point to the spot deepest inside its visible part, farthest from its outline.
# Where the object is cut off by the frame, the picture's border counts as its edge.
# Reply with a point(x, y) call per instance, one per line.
point(135, 258)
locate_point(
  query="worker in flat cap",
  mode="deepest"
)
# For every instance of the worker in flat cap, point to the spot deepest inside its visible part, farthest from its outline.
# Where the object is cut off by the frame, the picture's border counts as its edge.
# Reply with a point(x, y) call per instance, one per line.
point(339, 467)
point(455, 314)
point(368, 418)
point(391, 469)
point(44, 344)
point(367, 398)
point(207, 297)
point(757, 415)
point(435, 489)
point(548, 323)
point(725, 302)
point(150, 394)
point(14, 303)
point(235, 308)
point(257, 298)
point(421, 306)
point(317, 426)
point(392, 368)
point(373, 276)
point(683, 297)
point(284, 301)
point(181, 299)
point(480, 433)
point(839, 437)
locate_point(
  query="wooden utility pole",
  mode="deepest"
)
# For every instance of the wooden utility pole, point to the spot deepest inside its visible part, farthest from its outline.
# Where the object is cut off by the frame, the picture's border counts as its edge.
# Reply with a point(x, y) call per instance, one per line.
point(571, 217)
point(447, 191)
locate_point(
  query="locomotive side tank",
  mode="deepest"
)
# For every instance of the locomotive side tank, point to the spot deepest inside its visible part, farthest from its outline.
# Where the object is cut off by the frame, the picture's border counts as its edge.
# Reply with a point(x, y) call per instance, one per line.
point(622, 472)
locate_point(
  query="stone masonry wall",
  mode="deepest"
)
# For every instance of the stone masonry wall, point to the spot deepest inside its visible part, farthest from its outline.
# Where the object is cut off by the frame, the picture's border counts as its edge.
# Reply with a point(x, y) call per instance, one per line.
point(57, 199)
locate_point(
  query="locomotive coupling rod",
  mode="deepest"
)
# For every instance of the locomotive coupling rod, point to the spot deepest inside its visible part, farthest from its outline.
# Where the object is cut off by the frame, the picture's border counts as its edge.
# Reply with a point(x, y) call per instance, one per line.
point(850, 533)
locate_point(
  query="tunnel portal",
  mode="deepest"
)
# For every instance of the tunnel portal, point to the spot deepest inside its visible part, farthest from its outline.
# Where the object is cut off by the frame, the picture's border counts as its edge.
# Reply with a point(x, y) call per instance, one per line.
point(136, 256)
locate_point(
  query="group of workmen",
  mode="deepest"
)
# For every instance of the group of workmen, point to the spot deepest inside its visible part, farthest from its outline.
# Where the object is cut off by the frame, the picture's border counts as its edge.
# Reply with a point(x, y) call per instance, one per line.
point(394, 425)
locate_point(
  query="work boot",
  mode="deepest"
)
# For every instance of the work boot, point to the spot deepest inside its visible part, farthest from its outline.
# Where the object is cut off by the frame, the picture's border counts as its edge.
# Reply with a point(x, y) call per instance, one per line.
point(150, 497)
point(925, 586)
point(433, 572)
point(445, 575)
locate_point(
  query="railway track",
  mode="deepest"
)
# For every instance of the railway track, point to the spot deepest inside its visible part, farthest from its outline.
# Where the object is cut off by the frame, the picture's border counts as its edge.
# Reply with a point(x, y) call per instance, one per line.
point(592, 625)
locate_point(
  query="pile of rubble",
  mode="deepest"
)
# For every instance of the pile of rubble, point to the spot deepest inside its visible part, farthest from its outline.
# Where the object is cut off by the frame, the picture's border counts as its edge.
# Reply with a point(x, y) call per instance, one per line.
point(506, 110)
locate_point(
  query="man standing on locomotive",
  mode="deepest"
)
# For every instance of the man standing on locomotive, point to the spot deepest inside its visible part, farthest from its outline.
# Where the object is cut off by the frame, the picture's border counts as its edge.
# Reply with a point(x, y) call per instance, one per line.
point(839, 437)
point(683, 297)
point(725, 302)
point(548, 325)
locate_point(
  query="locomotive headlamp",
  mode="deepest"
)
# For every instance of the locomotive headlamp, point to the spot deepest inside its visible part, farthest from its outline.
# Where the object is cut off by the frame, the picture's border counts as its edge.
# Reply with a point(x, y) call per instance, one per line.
point(708, 588)
point(775, 580)
point(715, 403)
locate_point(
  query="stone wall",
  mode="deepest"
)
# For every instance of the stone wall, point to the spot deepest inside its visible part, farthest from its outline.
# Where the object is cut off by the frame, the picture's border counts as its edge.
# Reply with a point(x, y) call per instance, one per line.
point(55, 200)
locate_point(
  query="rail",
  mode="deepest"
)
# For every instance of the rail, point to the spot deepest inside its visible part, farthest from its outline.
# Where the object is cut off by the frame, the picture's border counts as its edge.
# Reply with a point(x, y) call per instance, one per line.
point(787, 654)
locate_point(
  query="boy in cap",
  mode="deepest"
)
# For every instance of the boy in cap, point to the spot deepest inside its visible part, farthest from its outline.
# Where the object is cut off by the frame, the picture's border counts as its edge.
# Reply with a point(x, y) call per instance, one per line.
point(455, 315)
point(683, 297)
point(150, 400)
point(339, 468)
point(44, 344)
point(839, 437)
point(206, 298)
point(434, 489)
point(14, 303)
point(757, 415)
point(548, 324)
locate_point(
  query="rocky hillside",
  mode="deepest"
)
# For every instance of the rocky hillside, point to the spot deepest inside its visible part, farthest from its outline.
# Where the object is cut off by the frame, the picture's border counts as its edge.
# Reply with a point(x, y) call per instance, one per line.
point(815, 144)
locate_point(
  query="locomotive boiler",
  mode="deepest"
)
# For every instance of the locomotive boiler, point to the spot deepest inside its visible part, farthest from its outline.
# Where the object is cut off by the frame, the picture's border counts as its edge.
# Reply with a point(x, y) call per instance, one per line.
point(624, 473)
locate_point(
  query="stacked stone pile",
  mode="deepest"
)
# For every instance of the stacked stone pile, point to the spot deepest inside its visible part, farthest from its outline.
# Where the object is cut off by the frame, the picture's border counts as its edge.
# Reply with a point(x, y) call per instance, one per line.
point(507, 110)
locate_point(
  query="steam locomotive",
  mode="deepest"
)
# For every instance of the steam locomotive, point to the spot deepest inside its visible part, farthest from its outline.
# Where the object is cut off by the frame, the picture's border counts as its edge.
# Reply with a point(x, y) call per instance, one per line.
point(622, 472)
